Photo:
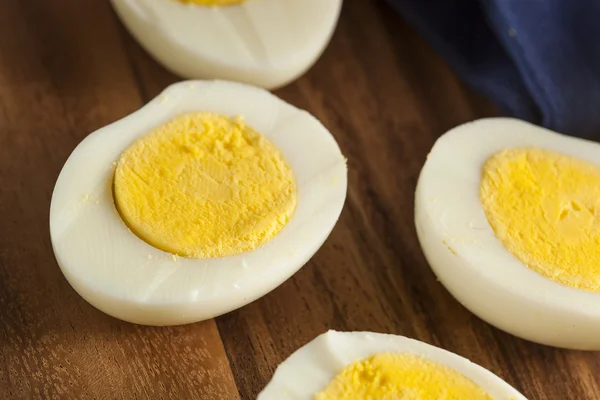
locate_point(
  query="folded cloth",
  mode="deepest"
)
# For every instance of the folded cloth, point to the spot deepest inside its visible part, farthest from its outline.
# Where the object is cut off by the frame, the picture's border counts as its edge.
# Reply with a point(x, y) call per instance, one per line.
point(538, 60)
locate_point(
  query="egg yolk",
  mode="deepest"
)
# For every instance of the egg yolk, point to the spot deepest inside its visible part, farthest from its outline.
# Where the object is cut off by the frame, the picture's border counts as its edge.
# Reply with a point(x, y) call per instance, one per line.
point(392, 376)
point(214, 3)
point(204, 185)
point(545, 208)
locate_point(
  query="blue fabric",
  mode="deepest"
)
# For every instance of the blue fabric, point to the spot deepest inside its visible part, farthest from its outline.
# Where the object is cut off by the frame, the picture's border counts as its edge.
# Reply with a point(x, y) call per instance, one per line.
point(538, 60)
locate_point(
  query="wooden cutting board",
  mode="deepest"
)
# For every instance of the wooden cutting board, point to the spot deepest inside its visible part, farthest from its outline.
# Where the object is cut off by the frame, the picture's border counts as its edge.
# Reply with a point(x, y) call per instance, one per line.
point(67, 67)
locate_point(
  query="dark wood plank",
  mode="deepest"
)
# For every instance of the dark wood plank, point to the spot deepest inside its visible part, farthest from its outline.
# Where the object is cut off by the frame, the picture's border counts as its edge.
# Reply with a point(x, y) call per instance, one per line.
point(386, 97)
point(63, 74)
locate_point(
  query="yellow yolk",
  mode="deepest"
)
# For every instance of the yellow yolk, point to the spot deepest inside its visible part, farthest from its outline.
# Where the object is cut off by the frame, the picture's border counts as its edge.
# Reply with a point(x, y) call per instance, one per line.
point(204, 185)
point(391, 376)
point(545, 207)
point(215, 3)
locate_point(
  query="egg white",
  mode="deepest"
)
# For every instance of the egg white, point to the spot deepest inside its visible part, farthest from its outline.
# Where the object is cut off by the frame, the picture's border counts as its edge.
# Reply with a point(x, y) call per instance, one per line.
point(125, 277)
point(312, 367)
point(266, 43)
point(468, 258)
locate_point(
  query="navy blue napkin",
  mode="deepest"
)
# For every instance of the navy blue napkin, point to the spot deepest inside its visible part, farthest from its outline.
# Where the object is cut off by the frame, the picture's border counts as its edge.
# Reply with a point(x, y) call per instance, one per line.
point(538, 60)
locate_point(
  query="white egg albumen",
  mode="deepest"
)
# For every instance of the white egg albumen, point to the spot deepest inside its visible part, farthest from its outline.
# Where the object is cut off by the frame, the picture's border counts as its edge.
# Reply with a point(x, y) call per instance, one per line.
point(312, 367)
point(468, 258)
point(266, 43)
point(122, 275)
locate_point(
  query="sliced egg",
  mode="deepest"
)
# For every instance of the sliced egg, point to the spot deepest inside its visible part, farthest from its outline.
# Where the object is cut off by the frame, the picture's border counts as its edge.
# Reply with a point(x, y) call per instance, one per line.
point(202, 201)
point(508, 216)
point(365, 365)
point(266, 43)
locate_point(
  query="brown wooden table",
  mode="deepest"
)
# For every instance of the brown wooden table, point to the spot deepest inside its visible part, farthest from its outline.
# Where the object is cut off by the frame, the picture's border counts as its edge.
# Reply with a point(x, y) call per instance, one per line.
point(68, 67)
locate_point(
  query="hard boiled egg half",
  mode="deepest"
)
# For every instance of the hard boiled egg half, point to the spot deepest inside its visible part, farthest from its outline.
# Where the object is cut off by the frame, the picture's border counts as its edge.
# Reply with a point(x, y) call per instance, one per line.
point(205, 199)
point(365, 365)
point(508, 216)
point(266, 43)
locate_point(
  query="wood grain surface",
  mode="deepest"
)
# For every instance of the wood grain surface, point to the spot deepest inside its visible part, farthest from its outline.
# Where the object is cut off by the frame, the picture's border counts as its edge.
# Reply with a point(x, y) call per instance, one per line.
point(68, 67)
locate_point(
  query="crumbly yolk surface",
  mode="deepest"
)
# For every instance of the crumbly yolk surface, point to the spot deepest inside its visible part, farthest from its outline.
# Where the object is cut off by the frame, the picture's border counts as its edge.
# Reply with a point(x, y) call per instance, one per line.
point(545, 208)
point(204, 185)
point(214, 3)
point(390, 376)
